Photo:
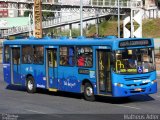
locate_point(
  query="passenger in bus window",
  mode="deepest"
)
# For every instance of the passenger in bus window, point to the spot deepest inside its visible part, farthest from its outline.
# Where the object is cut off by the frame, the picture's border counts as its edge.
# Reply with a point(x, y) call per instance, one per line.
point(64, 60)
point(81, 60)
point(27, 59)
point(88, 61)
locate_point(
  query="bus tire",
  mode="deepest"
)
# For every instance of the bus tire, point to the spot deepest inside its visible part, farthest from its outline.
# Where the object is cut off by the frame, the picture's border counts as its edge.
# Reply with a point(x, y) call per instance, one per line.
point(30, 85)
point(88, 92)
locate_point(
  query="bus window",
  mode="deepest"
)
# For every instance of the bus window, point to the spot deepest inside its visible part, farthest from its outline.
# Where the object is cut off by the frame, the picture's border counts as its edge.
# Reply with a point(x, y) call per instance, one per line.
point(27, 54)
point(84, 56)
point(6, 54)
point(52, 58)
point(67, 56)
point(16, 56)
point(134, 61)
point(38, 55)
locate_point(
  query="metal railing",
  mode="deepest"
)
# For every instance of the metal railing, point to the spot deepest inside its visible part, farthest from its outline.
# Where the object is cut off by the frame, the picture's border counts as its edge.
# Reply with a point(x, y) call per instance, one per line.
point(89, 3)
point(59, 21)
point(113, 3)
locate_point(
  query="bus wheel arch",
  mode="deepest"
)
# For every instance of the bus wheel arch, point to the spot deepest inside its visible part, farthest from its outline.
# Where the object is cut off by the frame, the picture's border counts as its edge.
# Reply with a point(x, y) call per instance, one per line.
point(88, 90)
point(30, 84)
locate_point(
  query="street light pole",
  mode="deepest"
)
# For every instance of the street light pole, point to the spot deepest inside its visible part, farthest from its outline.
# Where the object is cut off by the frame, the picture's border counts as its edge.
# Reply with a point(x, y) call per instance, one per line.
point(118, 20)
point(81, 17)
point(30, 25)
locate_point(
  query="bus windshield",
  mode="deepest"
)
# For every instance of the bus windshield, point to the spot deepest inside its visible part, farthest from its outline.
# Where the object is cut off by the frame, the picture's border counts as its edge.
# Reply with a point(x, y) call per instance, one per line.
point(132, 61)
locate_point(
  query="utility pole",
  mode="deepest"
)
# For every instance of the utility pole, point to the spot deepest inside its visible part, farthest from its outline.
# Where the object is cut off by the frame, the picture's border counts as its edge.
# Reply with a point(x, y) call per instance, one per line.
point(97, 22)
point(30, 25)
point(81, 17)
point(118, 20)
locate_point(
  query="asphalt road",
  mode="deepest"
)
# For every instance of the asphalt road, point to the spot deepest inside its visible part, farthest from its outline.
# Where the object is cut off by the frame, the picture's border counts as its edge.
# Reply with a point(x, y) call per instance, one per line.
point(15, 100)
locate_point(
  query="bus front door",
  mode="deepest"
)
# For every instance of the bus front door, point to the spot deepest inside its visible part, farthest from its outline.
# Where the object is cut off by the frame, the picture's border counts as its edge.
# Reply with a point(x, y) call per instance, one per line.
point(51, 68)
point(104, 71)
point(15, 66)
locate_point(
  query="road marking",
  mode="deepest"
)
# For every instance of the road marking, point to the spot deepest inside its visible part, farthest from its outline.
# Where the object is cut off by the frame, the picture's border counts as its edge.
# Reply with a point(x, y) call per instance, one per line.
point(129, 107)
point(35, 111)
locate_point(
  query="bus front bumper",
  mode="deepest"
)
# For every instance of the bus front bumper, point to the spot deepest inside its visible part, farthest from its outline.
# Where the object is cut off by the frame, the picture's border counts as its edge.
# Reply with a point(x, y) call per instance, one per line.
point(124, 92)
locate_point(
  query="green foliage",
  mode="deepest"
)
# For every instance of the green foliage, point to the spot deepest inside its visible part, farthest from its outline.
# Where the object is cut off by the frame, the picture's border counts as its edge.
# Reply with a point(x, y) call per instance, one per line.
point(48, 14)
point(26, 13)
point(150, 28)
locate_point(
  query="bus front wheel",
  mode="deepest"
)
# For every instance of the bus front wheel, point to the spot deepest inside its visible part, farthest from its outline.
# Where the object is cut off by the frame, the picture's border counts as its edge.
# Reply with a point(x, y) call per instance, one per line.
point(30, 85)
point(88, 92)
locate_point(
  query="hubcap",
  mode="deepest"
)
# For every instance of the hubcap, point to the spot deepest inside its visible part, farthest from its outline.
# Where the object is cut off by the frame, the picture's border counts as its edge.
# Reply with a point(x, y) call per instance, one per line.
point(30, 85)
point(89, 91)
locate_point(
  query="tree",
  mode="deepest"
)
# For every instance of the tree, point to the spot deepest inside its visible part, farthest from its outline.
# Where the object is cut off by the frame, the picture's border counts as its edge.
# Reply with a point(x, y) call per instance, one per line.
point(26, 13)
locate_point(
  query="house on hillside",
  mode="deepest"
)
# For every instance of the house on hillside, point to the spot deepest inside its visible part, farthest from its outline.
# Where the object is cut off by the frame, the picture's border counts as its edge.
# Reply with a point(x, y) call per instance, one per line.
point(151, 9)
point(149, 3)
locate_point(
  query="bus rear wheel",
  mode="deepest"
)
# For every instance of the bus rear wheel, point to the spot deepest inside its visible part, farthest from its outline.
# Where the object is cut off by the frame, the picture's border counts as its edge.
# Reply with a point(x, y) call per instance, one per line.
point(88, 92)
point(30, 85)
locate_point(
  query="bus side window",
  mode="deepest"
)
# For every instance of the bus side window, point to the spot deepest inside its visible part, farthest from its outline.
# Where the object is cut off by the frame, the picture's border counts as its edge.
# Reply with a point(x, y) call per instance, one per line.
point(38, 54)
point(6, 54)
point(81, 60)
point(52, 58)
point(27, 54)
point(16, 56)
point(67, 56)
point(63, 60)
point(71, 56)
point(84, 56)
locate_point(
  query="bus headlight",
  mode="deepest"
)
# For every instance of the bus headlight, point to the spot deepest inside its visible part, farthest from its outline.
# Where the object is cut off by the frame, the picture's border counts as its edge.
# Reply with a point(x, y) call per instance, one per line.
point(154, 81)
point(118, 84)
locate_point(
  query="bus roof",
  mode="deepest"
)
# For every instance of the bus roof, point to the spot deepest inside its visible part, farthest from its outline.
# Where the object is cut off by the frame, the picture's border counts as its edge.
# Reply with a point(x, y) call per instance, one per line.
point(114, 42)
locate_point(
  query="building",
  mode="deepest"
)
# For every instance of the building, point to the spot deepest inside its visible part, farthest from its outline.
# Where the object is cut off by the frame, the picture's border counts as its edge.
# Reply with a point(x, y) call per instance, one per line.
point(148, 4)
point(12, 12)
point(3, 12)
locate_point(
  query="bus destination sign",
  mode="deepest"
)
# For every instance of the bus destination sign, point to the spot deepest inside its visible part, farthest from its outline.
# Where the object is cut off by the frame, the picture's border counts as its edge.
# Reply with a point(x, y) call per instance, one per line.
point(132, 43)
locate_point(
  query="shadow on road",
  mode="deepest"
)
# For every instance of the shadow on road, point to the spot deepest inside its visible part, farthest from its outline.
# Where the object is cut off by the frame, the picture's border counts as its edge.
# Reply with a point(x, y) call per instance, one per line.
point(124, 100)
point(60, 94)
point(16, 88)
point(104, 99)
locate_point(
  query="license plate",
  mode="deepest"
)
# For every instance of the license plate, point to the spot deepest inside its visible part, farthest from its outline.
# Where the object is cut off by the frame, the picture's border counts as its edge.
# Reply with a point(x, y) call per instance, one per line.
point(138, 89)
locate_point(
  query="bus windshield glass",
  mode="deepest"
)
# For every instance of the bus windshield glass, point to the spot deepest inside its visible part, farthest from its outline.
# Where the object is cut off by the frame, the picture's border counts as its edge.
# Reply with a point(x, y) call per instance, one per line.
point(132, 61)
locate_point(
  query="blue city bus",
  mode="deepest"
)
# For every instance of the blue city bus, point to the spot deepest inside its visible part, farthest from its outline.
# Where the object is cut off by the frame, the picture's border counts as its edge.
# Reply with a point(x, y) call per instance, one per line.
point(92, 66)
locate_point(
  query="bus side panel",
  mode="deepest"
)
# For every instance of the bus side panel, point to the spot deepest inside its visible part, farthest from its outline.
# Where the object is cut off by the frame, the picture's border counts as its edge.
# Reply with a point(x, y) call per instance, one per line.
point(26, 70)
point(37, 72)
point(39, 76)
point(7, 73)
point(68, 79)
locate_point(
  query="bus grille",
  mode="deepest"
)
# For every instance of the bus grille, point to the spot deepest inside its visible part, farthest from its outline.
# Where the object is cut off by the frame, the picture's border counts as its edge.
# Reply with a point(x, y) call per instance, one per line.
point(136, 78)
point(131, 85)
